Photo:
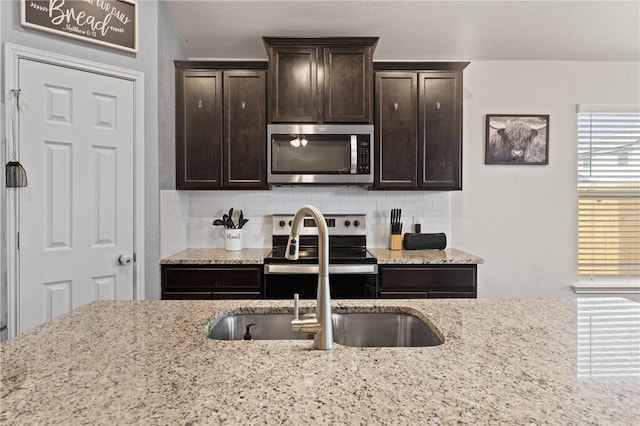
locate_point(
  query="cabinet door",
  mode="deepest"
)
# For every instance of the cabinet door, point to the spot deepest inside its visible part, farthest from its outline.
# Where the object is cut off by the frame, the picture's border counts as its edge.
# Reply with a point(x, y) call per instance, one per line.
point(198, 129)
point(396, 148)
point(347, 84)
point(440, 118)
point(293, 85)
point(245, 137)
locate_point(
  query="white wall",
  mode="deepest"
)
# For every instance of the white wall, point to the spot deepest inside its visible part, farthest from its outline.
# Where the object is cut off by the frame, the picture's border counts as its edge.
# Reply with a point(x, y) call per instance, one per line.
point(169, 49)
point(522, 219)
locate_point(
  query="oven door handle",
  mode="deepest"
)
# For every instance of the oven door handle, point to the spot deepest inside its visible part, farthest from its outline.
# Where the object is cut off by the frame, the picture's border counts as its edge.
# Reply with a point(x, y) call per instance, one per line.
point(313, 269)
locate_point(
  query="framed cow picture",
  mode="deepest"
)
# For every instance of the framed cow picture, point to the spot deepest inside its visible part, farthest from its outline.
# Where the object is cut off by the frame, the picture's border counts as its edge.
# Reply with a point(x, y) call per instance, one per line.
point(517, 139)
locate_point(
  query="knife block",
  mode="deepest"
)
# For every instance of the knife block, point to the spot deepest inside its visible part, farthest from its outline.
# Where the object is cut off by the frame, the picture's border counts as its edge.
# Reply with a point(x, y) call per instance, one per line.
point(395, 242)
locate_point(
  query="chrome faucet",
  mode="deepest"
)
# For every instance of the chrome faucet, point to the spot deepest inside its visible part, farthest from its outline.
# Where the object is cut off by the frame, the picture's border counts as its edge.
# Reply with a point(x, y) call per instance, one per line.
point(320, 325)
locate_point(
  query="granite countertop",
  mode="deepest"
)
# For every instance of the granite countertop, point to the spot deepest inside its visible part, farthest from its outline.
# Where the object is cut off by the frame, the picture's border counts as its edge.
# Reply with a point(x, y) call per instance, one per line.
point(502, 362)
point(248, 256)
point(448, 256)
point(213, 256)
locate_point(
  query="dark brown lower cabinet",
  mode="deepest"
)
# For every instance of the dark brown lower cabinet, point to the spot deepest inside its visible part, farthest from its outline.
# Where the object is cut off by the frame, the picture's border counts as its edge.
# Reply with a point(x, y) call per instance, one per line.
point(427, 281)
point(211, 282)
point(245, 281)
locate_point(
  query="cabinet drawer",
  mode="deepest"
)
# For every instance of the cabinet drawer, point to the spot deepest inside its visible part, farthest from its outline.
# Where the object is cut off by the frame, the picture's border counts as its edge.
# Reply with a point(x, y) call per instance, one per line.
point(437, 281)
point(210, 279)
point(188, 279)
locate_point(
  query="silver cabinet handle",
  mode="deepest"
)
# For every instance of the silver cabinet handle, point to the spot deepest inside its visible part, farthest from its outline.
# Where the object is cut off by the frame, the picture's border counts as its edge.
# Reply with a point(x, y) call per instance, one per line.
point(125, 260)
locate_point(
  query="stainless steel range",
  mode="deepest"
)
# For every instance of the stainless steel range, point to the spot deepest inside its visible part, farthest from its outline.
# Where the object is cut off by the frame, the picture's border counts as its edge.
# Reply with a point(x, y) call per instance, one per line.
point(353, 270)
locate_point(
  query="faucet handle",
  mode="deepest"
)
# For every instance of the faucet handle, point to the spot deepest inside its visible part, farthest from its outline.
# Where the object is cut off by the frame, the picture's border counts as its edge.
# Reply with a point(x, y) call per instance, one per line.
point(293, 248)
point(296, 299)
point(307, 325)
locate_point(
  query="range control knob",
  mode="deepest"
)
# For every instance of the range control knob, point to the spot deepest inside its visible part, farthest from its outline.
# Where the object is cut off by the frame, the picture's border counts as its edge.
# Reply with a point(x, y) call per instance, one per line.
point(347, 223)
point(290, 222)
point(282, 223)
point(356, 223)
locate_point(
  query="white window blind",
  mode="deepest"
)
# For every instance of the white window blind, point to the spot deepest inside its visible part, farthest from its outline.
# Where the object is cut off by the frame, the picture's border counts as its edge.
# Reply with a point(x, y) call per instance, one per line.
point(609, 193)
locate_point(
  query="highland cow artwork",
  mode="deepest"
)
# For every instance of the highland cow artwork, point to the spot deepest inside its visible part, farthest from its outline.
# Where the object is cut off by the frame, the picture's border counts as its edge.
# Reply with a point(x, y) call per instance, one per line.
point(517, 139)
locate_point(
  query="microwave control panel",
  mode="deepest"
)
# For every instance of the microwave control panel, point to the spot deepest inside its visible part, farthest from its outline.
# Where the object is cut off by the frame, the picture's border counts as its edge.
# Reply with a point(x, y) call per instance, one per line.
point(364, 157)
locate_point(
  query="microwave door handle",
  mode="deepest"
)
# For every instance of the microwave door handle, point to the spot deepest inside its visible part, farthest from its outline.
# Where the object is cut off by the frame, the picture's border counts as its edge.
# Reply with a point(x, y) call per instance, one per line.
point(354, 154)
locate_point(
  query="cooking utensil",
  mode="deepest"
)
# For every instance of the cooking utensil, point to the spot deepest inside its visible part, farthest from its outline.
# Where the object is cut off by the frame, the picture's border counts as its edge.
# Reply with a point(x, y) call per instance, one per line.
point(228, 222)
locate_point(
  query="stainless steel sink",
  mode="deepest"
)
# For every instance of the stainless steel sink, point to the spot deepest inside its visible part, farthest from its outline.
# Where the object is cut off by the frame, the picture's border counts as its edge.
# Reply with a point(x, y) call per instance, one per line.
point(372, 329)
point(383, 330)
point(266, 327)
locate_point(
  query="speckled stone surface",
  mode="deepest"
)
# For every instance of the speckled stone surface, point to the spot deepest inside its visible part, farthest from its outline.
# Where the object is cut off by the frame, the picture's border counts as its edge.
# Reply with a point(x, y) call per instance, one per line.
point(509, 362)
point(214, 256)
point(449, 256)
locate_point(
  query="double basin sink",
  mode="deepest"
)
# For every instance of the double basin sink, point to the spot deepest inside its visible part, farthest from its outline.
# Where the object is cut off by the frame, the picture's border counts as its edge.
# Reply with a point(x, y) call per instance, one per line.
point(358, 329)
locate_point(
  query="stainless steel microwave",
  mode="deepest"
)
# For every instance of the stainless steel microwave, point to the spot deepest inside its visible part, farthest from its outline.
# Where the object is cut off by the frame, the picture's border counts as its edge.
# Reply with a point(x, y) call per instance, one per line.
point(322, 154)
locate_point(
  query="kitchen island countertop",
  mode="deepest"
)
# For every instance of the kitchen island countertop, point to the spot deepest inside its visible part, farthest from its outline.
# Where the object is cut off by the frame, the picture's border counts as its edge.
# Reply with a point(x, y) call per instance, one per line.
point(502, 362)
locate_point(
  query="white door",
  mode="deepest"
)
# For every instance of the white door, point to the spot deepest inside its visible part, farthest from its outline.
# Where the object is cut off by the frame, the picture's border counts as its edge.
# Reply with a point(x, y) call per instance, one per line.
point(76, 215)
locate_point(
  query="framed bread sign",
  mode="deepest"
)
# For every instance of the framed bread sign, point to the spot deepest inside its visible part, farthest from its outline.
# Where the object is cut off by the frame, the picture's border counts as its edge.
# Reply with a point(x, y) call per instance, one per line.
point(111, 23)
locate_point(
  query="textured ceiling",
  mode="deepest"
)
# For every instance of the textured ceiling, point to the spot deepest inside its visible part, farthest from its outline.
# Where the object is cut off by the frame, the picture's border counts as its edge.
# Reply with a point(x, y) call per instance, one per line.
point(418, 30)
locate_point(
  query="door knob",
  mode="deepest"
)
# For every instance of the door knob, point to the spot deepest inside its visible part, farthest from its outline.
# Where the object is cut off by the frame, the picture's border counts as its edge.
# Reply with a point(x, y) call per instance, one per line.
point(125, 260)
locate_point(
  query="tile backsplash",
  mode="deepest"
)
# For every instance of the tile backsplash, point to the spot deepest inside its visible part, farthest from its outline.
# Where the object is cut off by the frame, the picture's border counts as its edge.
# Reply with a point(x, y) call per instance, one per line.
point(187, 216)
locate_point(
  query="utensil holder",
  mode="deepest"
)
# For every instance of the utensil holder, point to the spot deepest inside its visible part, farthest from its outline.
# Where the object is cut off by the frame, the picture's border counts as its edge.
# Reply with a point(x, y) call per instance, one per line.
point(233, 239)
point(395, 242)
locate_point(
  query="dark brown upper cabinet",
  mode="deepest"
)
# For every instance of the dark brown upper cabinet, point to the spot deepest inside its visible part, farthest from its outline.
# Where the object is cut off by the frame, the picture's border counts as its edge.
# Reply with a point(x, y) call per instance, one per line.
point(418, 119)
point(320, 80)
point(244, 149)
point(396, 130)
point(220, 125)
point(198, 129)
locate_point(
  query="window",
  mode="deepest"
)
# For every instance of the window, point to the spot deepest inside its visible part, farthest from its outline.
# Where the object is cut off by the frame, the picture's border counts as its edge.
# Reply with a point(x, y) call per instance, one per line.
point(608, 191)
